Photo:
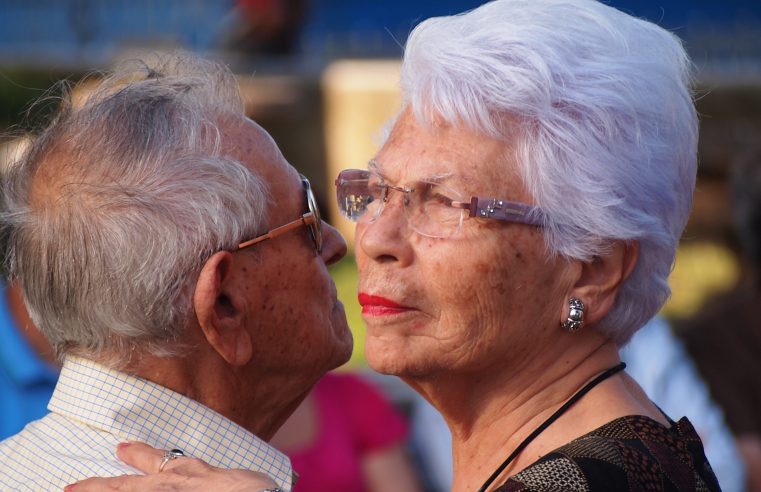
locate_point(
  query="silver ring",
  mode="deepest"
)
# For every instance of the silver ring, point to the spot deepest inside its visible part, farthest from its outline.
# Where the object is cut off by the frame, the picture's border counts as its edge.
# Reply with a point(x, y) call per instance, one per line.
point(170, 455)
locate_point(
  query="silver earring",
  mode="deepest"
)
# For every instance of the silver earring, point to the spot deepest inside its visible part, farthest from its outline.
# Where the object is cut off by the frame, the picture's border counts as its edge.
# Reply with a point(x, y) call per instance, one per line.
point(575, 315)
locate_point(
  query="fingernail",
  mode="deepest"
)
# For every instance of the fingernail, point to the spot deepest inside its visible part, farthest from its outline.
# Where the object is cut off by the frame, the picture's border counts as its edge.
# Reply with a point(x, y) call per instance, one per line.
point(122, 445)
point(69, 488)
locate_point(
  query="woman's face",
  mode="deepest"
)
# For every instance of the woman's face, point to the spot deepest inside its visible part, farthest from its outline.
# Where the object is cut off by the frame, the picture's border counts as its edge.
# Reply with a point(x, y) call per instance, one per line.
point(489, 295)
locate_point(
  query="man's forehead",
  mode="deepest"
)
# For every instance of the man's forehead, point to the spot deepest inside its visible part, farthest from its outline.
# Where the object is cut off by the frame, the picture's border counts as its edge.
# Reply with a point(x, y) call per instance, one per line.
point(247, 142)
point(244, 140)
point(242, 131)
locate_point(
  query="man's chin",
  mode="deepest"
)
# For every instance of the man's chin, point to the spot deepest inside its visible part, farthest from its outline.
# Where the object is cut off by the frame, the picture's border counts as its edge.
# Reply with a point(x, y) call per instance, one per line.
point(343, 349)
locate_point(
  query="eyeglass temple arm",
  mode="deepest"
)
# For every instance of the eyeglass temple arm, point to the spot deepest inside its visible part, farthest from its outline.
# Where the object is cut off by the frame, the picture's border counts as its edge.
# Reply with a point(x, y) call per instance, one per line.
point(306, 219)
point(493, 208)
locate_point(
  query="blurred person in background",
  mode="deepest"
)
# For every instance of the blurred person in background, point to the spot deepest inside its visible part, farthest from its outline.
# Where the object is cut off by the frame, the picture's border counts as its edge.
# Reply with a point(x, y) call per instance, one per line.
point(724, 338)
point(346, 436)
point(267, 27)
point(159, 238)
point(516, 228)
point(28, 367)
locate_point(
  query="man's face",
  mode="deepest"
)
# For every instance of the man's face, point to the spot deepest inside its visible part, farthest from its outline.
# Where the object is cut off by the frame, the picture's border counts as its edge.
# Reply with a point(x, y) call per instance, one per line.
point(296, 322)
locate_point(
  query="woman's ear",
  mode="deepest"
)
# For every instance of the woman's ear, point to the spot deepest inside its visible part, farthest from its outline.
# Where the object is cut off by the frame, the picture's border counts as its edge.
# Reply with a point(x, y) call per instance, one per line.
point(221, 311)
point(600, 279)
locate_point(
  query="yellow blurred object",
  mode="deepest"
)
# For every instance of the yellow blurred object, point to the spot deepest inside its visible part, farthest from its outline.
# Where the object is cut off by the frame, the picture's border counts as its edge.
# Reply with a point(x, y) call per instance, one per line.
point(345, 275)
point(360, 97)
point(702, 270)
point(11, 151)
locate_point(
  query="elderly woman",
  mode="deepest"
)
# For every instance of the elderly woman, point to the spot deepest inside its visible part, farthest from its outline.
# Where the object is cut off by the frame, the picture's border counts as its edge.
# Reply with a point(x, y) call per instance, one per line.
point(516, 228)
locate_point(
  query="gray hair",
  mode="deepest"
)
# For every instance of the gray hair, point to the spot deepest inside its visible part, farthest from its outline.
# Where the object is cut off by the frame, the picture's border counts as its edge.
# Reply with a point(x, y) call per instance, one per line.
point(116, 205)
point(598, 107)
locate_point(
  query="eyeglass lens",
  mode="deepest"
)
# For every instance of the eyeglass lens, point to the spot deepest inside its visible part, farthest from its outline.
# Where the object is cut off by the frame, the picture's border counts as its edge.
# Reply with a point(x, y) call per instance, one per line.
point(427, 206)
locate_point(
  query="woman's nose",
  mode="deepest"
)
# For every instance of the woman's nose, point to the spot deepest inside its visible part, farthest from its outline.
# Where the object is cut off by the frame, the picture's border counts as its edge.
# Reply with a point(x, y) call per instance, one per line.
point(387, 237)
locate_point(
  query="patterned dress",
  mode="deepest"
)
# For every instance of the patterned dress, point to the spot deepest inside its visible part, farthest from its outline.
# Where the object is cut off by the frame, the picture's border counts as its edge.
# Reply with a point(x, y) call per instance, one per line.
point(633, 453)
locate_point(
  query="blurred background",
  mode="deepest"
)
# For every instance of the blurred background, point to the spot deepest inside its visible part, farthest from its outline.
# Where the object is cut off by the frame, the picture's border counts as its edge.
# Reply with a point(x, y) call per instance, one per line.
point(322, 77)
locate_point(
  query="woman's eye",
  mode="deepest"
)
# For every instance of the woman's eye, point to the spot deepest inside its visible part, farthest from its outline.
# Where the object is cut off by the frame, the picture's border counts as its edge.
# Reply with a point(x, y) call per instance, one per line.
point(434, 195)
point(376, 190)
point(442, 199)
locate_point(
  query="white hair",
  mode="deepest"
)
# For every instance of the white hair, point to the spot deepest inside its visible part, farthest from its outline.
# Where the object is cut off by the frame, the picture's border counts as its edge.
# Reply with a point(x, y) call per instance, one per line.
point(598, 108)
point(116, 205)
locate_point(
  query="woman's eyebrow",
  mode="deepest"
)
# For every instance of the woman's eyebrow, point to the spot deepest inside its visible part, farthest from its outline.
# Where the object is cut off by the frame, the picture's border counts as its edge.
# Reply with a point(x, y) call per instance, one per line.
point(439, 177)
point(375, 167)
point(372, 165)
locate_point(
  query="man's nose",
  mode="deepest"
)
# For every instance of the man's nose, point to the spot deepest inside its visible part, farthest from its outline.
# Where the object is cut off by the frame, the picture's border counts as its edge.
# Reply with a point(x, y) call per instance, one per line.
point(333, 244)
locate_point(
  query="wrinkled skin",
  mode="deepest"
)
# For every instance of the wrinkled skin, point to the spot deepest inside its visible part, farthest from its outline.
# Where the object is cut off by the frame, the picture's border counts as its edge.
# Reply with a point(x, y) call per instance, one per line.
point(186, 474)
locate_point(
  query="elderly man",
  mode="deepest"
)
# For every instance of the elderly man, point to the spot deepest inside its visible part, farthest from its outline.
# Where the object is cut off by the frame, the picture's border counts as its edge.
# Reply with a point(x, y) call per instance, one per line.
point(161, 239)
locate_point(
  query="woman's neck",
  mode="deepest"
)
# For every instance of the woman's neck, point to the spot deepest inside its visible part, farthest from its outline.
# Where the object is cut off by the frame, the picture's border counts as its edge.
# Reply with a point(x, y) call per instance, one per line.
point(490, 415)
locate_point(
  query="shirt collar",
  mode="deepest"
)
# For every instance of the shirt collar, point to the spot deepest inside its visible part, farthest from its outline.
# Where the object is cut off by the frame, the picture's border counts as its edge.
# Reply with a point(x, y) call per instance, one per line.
point(138, 410)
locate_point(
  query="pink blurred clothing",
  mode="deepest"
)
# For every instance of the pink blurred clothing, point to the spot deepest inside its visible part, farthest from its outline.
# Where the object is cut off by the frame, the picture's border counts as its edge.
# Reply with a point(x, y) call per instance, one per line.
point(353, 420)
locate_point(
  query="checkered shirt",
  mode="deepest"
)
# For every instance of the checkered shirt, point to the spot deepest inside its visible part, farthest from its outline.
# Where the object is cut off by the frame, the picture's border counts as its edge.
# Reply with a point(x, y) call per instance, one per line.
point(94, 408)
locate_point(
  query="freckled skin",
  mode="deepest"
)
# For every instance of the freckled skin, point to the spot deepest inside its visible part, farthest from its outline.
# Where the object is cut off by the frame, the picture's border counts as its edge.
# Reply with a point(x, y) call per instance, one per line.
point(295, 315)
point(488, 297)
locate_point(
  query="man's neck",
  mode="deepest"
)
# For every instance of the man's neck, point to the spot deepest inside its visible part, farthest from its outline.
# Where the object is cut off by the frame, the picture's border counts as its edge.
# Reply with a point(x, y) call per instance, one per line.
point(490, 416)
point(260, 403)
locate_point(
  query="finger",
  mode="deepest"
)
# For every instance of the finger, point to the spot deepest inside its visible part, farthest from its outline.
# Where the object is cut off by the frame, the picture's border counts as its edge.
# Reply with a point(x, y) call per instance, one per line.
point(99, 485)
point(142, 456)
point(259, 479)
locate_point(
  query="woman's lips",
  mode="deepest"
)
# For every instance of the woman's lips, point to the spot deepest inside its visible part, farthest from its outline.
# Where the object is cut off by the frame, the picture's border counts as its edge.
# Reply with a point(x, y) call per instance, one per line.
point(380, 306)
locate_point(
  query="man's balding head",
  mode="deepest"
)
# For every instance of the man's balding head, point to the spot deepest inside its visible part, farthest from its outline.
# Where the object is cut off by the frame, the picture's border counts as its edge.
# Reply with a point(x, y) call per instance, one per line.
point(118, 202)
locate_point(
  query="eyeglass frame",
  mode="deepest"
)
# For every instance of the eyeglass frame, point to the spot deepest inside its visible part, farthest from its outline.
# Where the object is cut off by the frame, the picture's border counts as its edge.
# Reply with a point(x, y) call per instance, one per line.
point(477, 206)
point(311, 220)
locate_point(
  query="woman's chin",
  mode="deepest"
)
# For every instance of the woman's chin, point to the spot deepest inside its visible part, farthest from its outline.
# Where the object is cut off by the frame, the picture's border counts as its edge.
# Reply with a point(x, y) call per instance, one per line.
point(379, 357)
point(396, 358)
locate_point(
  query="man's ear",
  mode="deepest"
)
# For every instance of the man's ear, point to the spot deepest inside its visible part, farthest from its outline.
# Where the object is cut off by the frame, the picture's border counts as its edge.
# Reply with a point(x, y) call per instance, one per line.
point(600, 280)
point(220, 310)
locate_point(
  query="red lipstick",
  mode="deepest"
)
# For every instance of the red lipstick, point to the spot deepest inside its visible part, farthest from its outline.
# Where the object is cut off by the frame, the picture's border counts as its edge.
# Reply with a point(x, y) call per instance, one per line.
point(379, 306)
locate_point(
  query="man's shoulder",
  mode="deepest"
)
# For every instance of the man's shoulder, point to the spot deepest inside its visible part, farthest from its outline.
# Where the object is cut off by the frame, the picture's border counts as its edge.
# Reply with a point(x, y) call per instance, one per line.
point(55, 451)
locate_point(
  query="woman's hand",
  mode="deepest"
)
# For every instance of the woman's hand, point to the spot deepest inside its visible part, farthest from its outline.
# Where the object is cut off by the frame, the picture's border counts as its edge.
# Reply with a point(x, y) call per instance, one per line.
point(186, 474)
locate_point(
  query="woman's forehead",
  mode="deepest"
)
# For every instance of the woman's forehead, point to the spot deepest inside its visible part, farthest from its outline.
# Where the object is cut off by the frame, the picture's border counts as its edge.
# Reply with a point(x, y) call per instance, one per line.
point(416, 151)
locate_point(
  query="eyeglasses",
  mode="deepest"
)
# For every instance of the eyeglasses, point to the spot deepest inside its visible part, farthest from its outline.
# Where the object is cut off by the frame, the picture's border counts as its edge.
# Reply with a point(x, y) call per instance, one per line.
point(432, 209)
point(311, 220)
